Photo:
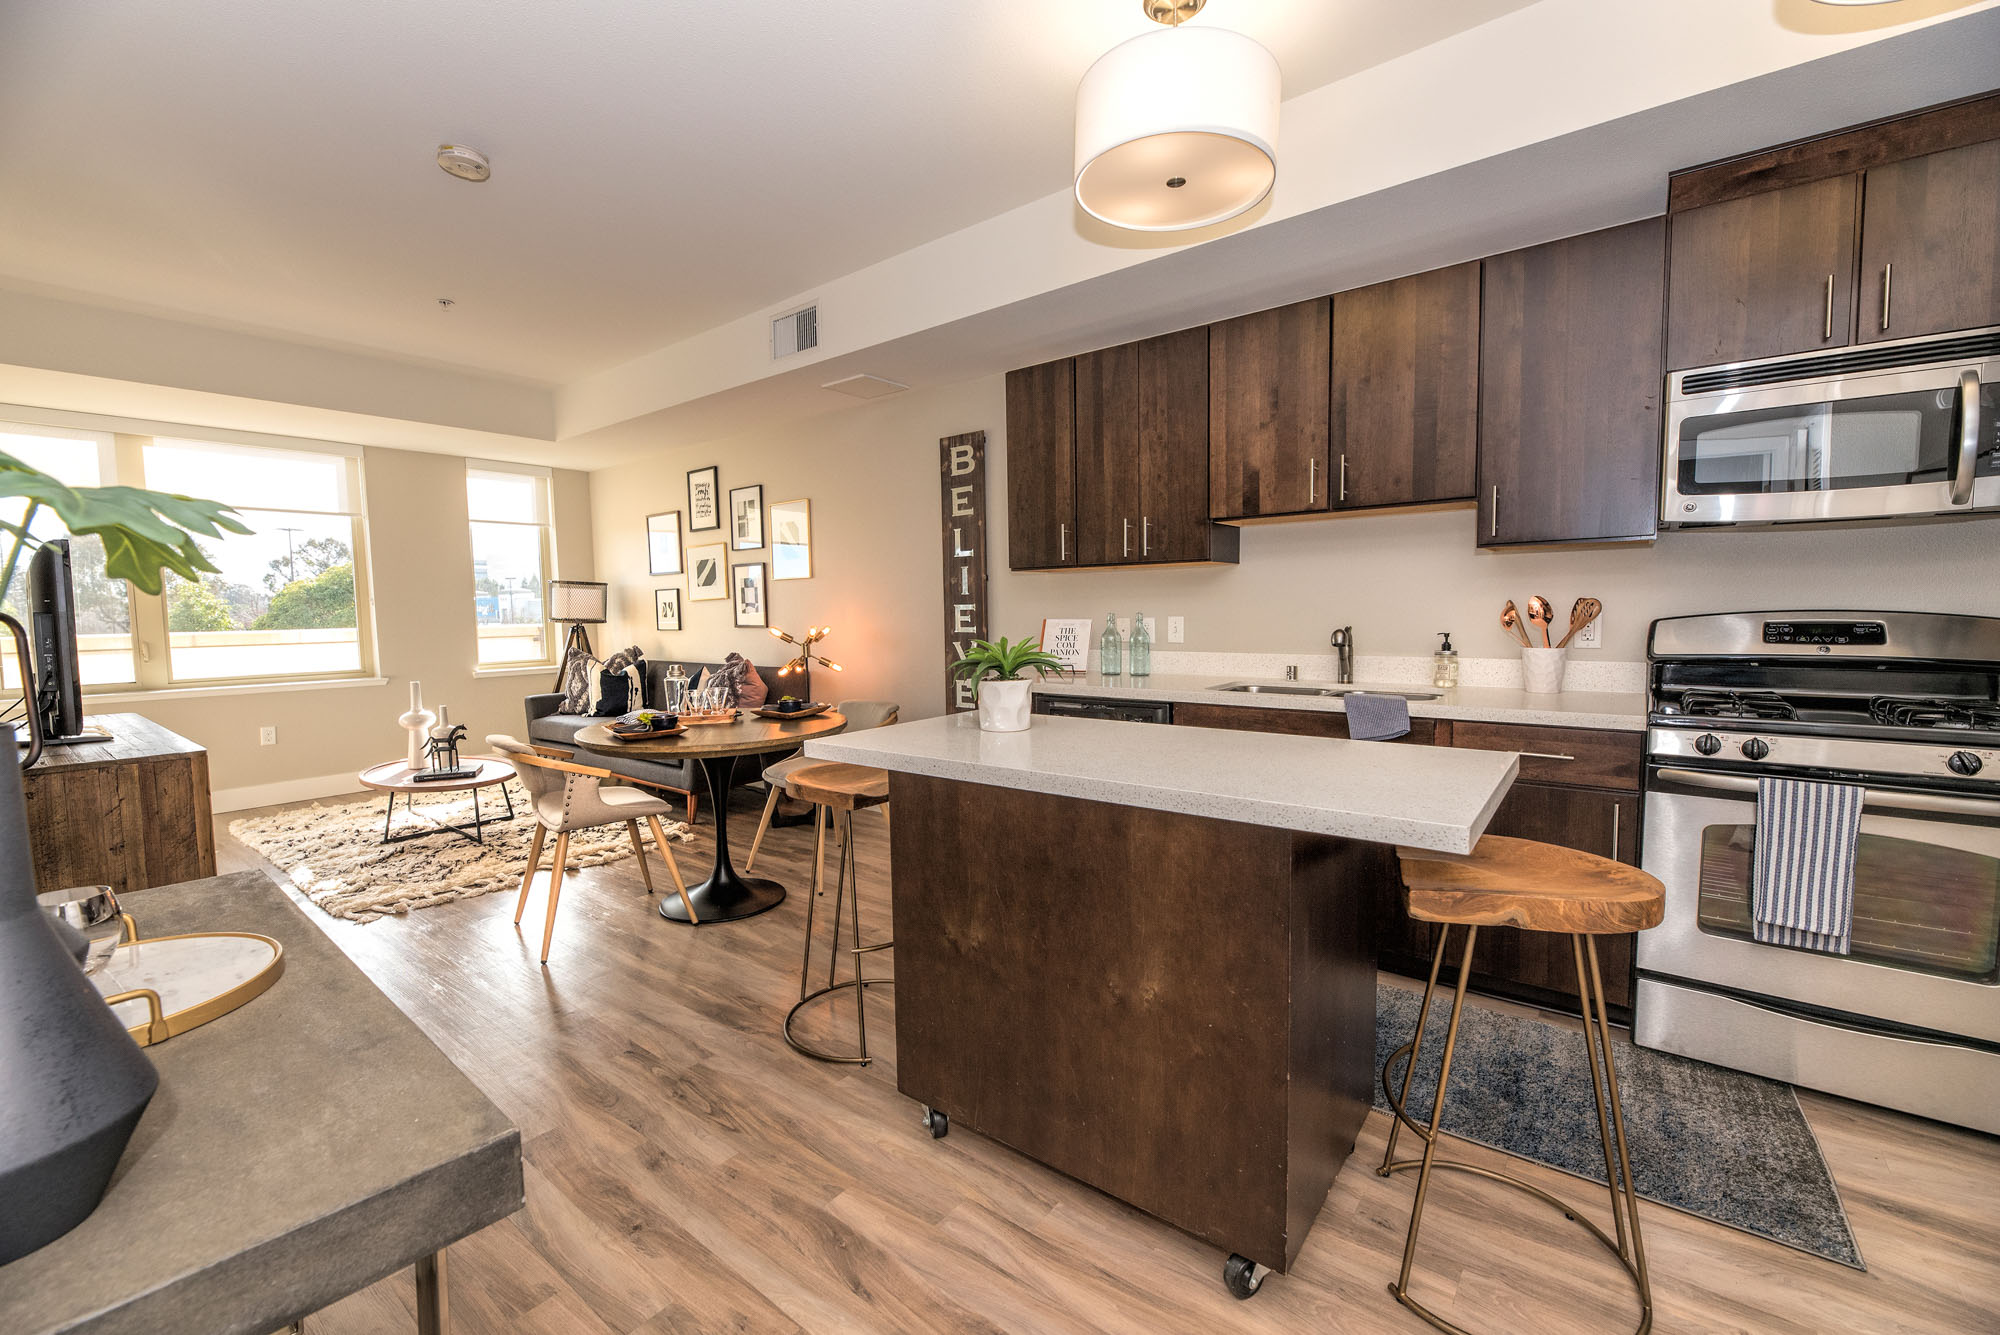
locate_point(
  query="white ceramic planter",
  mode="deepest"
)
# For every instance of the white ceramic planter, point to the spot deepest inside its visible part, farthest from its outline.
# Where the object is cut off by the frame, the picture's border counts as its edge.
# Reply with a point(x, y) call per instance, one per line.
point(1542, 670)
point(1005, 706)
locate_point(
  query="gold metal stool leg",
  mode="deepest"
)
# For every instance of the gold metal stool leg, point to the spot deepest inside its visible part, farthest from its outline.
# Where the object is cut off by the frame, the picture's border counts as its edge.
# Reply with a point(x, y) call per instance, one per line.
point(1413, 1047)
point(847, 887)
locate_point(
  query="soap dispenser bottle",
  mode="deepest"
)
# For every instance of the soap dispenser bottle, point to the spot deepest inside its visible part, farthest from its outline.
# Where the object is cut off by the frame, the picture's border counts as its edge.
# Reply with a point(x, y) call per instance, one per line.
point(1110, 653)
point(1444, 664)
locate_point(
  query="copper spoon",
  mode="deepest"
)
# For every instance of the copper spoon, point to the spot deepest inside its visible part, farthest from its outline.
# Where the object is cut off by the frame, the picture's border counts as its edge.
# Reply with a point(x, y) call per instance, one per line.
point(1540, 613)
point(1510, 618)
point(1586, 611)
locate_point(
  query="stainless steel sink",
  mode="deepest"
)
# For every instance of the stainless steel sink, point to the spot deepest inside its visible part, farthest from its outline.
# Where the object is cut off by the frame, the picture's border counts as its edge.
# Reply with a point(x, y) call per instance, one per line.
point(1288, 688)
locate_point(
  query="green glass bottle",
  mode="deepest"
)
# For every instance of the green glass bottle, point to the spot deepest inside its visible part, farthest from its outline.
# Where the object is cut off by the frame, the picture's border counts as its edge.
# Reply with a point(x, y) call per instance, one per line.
point(1140, 647)
point(1110, 654)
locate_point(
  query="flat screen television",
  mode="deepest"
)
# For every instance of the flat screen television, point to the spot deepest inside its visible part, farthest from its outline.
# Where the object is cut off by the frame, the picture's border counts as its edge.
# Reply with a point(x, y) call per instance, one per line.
point(58, 687)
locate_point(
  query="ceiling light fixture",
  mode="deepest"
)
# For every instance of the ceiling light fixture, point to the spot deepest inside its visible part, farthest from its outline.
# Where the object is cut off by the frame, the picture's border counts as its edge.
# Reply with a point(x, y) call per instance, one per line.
point(467, 164)
point(1177, 129)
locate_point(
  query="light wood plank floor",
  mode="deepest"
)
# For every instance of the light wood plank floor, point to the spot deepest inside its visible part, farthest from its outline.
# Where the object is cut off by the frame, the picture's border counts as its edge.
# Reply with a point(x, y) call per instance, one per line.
point(687, 1172)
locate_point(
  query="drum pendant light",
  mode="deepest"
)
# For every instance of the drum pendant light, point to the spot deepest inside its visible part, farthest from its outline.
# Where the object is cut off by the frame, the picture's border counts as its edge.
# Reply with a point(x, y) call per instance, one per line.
point(1178, 128)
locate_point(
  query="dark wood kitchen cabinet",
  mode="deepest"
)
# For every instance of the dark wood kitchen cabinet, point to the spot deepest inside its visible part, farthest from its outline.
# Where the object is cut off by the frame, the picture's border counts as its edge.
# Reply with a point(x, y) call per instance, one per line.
point(1930, 244)
point(1404, 406)
point(1570, 353)
point(1107, 454)
point(1041, 466)
point(1764, 275)
point(1267, 426)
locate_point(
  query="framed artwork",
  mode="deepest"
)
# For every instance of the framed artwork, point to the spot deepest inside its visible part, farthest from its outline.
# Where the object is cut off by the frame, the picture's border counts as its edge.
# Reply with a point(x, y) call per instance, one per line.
point(747, 583)
point(667, 609)
point(663, 543)
point(746, 518)
point(791, 540)
point(704, 500)
point(708, 577)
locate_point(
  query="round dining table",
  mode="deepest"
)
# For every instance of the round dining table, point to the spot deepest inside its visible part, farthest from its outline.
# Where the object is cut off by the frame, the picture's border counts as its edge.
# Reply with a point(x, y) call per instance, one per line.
point(724, 896)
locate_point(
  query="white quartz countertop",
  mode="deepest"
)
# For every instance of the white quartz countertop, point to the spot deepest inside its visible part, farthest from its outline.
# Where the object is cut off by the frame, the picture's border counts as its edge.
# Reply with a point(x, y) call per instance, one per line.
point(1437, 798)
point(1485, 704)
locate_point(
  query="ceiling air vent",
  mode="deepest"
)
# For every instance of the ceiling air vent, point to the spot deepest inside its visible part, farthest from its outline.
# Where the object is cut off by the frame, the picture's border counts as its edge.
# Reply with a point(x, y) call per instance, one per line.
point(795, 332)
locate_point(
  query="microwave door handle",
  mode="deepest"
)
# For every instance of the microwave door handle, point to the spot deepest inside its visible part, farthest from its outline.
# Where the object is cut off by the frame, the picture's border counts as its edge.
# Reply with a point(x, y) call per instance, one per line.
point(1874, 800)
point(1967, 418)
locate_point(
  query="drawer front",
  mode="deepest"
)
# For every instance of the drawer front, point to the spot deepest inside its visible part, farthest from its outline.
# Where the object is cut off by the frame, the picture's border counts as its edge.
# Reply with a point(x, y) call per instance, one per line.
point(1298, 722)
point(1580, 757)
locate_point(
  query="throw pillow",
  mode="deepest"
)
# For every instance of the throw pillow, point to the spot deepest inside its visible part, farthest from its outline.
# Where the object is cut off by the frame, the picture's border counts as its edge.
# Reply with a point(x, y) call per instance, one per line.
point(728, 676)
point(753, 692)
point(614, 694)
point(579, 676)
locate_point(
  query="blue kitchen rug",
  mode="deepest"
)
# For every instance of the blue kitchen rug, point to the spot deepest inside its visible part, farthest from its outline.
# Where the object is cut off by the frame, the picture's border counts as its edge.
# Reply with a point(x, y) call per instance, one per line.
point(1714, 1143)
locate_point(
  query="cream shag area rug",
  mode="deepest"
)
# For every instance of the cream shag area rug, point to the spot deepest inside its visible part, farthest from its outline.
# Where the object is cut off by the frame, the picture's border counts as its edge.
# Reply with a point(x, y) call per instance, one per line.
point(336, 857)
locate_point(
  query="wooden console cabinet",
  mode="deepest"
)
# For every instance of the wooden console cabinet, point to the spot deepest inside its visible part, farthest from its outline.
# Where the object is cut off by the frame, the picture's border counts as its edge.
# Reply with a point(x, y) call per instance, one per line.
point(128, 813)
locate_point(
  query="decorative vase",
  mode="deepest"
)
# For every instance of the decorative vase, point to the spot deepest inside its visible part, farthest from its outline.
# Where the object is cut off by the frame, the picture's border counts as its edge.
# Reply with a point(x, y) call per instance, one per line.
point(74, 1082)
point(418, 721)
point(1004, 706)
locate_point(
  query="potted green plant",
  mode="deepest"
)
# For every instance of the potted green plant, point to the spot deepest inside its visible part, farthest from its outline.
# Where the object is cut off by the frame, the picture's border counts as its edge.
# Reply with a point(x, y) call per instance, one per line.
point(1004, 703)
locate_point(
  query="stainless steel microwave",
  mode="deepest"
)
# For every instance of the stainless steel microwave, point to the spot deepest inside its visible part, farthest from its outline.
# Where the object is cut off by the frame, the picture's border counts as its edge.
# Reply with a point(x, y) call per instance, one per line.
point(1869, 432)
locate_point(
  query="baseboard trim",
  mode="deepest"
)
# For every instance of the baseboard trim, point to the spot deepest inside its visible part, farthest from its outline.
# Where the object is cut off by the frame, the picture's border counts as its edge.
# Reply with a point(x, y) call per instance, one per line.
point(288, 790)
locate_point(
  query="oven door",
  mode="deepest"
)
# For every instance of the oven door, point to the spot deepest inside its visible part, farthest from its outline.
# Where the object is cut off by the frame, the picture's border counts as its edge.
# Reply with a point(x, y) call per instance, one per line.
point(1926, 916)
point(1914, 442)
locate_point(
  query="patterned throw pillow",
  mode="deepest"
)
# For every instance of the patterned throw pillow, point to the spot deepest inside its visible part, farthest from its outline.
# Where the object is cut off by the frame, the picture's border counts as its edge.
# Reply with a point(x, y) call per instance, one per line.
point(619, 684)
point(578, 677)
point(729, 676)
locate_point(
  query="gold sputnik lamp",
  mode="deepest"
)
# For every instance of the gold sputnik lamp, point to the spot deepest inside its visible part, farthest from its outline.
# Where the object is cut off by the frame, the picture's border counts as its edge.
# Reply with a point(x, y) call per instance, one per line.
point(806, 657)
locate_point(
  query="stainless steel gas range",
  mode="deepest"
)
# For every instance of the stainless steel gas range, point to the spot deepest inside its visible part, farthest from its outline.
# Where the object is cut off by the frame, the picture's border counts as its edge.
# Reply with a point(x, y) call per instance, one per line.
point(1905, 704)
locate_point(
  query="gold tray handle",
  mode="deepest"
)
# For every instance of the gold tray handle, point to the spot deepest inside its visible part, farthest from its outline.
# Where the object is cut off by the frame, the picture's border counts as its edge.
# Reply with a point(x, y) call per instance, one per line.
point(156, 1028)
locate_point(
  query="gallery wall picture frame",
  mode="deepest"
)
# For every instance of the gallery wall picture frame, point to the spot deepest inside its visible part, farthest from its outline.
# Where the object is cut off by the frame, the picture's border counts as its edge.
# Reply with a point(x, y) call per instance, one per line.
point(791, 540)
point(667, 609)
point(704, 499)
point(746, 518)
point(663, 543)
point(747, 586)
point(708, 573)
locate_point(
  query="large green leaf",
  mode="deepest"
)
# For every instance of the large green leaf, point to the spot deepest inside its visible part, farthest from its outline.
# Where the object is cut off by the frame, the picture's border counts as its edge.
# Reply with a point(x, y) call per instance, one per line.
point(145, 532)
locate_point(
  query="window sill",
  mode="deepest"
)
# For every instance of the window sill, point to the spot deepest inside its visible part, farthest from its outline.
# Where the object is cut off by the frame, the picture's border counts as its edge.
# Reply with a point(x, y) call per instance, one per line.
point(516, 670)
point(91, 698)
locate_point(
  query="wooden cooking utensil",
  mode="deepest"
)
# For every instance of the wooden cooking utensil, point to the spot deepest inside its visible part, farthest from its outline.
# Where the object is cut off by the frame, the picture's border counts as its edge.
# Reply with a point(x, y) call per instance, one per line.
point(1586, 611)
point(1541, 613)
point(1510, 618)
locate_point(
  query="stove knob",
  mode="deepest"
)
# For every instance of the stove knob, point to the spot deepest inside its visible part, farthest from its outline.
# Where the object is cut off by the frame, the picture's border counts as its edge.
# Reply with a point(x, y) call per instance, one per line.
point(1964, 762)
point(1756, 749)
point(1708, 743)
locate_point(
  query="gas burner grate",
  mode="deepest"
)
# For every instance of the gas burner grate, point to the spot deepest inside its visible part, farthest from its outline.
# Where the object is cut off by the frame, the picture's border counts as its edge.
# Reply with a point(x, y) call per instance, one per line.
point(1899, 711)
point(1736, 704)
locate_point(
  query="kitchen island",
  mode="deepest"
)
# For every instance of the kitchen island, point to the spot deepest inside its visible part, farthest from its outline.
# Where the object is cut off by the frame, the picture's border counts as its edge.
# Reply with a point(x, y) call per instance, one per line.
point(1144, 956)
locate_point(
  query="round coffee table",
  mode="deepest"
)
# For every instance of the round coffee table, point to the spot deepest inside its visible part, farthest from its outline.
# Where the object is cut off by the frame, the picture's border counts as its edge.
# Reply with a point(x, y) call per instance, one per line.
point(724, 896)
point(395, 777)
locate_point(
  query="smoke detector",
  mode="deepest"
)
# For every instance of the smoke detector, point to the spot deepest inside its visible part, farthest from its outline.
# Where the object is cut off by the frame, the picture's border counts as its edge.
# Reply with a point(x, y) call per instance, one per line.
point(467, 164)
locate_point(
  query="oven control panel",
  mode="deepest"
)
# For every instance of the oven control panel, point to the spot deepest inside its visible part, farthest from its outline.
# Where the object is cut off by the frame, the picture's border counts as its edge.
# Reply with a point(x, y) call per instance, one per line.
point(1846, 756)
point(1826, 632)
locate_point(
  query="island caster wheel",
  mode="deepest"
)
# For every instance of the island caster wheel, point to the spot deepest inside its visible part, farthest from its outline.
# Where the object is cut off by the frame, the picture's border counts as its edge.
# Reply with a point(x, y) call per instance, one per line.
point(1240, 1277)
point(937, 1122)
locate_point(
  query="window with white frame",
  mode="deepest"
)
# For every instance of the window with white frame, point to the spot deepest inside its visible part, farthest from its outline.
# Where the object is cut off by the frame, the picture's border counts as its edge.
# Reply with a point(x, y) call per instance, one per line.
point(290, 598)
point(512, 552)
point(103, 604)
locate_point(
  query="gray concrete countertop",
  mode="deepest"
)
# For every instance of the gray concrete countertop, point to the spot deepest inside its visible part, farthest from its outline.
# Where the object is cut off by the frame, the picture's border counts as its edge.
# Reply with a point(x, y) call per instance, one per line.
point(1428, 797)
point(299, 1149)
point(1571, 709)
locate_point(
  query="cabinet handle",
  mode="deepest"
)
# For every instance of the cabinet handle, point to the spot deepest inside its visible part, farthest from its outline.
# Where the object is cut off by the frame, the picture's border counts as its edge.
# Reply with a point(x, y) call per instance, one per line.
point(1829, 307)
point(1062, 542)
point(1343, 477)
point(1888, 270)
point(1128, 537)
point(1493, 526)
point(1312, 480)
point(1543, 755)
point(1616, 812)
point(1145, 535)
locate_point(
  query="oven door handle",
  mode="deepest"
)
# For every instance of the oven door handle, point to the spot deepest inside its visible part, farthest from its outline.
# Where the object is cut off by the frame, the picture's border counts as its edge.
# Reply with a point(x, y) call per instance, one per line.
point(1874, 798)
point(1968, 437)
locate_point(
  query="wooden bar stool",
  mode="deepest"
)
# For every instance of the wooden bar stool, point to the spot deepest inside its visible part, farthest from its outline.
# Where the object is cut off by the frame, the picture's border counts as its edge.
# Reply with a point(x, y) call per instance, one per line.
point(837, 790)
point(1539, 888)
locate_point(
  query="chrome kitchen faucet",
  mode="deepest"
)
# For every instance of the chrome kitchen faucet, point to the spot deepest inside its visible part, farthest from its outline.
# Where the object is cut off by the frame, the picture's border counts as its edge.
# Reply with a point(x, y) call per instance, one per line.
point(1343, 644)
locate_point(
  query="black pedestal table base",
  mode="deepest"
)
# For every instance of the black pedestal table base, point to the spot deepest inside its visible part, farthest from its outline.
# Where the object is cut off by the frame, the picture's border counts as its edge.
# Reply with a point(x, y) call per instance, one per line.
point(724, 896)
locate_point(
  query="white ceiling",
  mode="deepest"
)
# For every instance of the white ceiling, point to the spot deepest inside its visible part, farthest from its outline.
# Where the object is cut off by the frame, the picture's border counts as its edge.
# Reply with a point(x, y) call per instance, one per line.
point(658, 170)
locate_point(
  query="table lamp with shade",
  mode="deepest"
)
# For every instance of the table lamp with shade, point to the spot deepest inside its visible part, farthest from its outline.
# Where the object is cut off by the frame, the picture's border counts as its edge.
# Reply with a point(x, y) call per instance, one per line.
point(581, 602)
point(806, 657)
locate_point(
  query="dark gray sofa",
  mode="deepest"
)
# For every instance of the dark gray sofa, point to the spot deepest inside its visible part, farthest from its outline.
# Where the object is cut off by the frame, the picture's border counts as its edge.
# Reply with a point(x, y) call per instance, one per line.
point(548, 729)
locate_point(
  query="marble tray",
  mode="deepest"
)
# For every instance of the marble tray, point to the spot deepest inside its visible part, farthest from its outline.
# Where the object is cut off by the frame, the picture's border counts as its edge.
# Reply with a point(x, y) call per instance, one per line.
point(166, 985)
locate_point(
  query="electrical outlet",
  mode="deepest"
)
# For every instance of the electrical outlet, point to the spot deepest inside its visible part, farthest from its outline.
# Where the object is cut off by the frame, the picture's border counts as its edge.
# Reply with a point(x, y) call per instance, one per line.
point(267, 736)
point(1176, 630)
point(1591, 636)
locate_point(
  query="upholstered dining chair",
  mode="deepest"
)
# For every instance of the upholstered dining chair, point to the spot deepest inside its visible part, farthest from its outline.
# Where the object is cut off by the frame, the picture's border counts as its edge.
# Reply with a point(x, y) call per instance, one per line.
point(860, 715)
point(567, 797)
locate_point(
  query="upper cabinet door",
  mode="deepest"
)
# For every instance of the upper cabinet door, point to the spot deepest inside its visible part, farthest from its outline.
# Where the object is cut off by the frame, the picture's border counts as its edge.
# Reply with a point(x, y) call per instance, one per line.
point(1405, 399)
point(1763, 276)
point(1268, 412)
point(1570, 382)
point(1930, 244)
point(1041, 466)
point(1107, 456)
point(1173, 452)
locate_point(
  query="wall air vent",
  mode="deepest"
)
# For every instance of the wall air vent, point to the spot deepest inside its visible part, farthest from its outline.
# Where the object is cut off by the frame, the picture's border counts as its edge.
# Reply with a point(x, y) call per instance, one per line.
point(797, 331)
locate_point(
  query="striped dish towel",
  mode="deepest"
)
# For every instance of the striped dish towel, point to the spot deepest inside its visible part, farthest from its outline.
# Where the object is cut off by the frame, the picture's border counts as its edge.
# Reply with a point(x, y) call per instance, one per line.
point(1803, 888)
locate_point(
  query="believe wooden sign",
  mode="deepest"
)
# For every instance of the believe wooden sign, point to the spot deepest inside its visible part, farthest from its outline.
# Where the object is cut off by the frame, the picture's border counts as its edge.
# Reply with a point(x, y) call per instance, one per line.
point(963, 464)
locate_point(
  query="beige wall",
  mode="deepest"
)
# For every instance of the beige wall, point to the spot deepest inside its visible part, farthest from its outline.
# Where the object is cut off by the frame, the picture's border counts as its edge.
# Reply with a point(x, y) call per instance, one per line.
point(420, 552)
point(1396, 578)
